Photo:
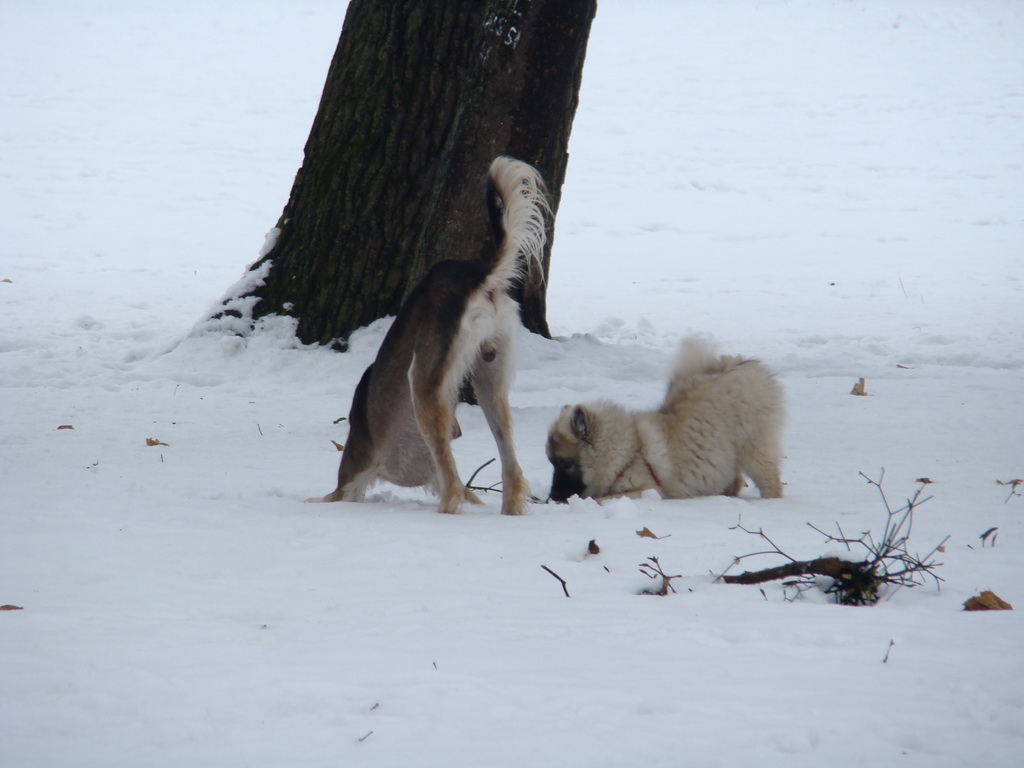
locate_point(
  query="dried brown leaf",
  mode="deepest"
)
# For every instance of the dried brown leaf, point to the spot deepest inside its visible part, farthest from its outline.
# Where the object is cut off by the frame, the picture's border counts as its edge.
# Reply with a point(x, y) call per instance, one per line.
point(646, 533)
point(339, 446)
point(860, 388)
point(151, 441)
point(11, 608)
point(65, 426)
point(987, 601)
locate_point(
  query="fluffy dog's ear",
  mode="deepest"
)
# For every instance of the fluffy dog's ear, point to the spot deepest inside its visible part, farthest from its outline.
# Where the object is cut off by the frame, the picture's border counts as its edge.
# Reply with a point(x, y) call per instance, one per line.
point(580, 424)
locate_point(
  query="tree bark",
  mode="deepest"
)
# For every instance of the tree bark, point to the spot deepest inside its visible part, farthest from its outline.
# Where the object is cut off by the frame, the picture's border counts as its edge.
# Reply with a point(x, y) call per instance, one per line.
point(833, 567)
point(421, 95)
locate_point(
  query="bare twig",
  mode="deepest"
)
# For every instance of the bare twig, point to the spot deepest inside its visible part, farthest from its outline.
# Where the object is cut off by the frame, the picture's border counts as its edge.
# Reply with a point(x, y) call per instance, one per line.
point(888, 651)
point(565, 587)
point(495, 487)
point(760, 533)
point(841, 539)
point(1013, 487)
point(469, 483)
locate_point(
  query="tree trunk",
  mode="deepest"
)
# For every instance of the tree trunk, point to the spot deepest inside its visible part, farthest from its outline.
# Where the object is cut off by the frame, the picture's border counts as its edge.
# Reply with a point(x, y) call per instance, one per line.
point(421, 95)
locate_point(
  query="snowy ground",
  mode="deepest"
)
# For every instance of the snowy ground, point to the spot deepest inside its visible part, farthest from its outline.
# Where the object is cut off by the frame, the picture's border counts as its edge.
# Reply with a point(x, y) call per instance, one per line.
point(834, 187)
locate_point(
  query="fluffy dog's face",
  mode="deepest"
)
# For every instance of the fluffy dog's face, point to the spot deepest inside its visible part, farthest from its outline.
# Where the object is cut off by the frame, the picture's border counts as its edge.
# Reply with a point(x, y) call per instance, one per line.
point(568, 451)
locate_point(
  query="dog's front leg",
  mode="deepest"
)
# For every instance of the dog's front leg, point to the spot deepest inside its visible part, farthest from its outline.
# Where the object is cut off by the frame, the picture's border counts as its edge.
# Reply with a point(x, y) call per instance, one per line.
point(490, 379)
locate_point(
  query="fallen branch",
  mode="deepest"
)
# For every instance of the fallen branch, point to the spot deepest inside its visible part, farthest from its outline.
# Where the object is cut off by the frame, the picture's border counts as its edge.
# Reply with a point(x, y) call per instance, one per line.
point(887, 562)
point(833, 567)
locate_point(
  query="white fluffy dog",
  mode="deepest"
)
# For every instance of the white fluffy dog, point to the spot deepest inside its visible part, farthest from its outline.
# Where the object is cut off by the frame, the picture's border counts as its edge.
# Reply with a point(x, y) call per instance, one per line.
point(721, 419)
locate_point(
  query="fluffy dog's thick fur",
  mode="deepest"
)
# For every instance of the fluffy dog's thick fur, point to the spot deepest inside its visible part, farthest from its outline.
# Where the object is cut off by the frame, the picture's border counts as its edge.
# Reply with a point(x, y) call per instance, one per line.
point(721, 419)
point(459, 321)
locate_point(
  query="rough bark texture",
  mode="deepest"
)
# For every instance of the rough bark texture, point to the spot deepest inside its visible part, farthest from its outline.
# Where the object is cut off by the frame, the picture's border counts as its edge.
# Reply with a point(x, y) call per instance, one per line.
point(421, 95)
point(833, 567)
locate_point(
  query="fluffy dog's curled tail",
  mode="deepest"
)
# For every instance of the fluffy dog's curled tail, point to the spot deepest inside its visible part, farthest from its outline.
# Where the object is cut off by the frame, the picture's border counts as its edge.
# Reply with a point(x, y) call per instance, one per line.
point(518, 209)
point(698, 357)
point(697, 360)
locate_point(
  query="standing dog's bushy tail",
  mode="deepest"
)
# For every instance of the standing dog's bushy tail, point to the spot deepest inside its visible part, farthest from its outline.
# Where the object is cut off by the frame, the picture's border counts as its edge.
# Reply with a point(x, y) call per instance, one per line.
point(518, 208)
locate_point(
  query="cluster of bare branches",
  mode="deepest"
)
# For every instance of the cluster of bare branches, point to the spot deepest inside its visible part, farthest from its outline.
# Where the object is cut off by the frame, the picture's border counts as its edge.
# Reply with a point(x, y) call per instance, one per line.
point(652, 569)
point(884, 563)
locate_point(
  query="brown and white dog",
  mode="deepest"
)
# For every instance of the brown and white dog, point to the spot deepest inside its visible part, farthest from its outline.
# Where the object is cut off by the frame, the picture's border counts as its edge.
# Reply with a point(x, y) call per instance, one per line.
point(458, 322)
point(721, 420)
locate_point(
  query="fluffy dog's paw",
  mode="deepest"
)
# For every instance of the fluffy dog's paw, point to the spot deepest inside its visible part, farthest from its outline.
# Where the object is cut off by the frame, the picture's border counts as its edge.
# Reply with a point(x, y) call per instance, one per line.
point(517, 504)
point(515, 500)
point(330, 497)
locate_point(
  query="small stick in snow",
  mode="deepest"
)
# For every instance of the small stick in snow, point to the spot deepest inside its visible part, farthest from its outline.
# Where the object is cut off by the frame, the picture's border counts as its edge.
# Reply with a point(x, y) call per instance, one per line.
point(888, 651)
point(990, 532)
point(565, 588)
point(1013, 487)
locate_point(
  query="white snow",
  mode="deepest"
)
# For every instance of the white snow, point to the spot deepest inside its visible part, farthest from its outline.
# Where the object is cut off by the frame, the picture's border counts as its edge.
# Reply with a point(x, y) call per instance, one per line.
point(834, 187)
